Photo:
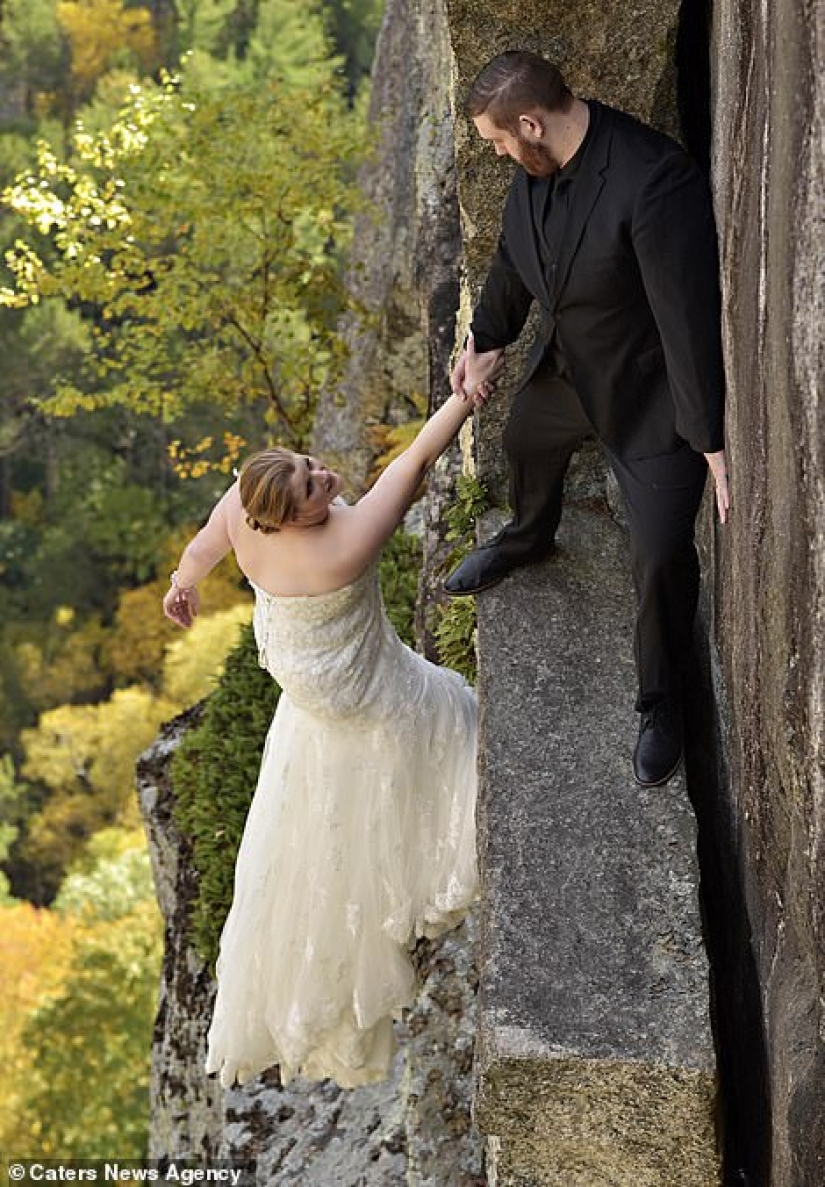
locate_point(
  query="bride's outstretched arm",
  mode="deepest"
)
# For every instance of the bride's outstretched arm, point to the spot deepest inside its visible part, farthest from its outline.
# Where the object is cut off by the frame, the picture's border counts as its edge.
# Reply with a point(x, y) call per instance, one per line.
point(371, 522)
point(198, 558)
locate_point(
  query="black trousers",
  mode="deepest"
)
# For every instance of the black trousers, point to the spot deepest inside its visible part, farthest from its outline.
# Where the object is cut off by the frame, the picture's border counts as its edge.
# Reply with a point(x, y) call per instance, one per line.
point(662, 494)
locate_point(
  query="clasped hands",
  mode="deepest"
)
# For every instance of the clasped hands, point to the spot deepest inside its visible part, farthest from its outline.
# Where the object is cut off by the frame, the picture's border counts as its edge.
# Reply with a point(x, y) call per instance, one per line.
point(473, 376)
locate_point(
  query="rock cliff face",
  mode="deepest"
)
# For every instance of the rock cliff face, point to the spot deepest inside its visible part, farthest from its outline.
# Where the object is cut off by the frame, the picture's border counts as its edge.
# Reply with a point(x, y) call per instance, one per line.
point(749, 89)
point(407, 246)
point(765, 608)
point(595, 1061)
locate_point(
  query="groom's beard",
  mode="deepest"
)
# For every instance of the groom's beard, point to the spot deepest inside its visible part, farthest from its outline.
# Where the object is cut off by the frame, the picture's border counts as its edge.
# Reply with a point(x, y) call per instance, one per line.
point(536, 159)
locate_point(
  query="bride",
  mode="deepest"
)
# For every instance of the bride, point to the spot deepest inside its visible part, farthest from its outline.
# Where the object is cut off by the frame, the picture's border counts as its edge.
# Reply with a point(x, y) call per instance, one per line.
point(361, 833)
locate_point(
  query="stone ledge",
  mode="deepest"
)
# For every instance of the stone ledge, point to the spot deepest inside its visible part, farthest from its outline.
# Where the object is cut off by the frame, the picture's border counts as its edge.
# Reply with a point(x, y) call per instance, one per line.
point(595, 1059)
point(575, 1122)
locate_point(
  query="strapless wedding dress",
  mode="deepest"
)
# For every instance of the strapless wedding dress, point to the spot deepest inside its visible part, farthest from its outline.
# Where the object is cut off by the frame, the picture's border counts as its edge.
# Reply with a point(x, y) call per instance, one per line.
point(360, 837)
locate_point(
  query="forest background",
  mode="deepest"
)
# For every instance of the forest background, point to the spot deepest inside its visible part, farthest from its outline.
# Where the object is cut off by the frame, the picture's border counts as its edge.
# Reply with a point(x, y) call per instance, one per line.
point(178, 185)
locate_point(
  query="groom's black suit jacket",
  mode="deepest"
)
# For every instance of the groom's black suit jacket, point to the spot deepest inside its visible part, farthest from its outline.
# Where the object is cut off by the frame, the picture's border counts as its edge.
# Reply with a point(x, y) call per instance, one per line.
point(633, 297)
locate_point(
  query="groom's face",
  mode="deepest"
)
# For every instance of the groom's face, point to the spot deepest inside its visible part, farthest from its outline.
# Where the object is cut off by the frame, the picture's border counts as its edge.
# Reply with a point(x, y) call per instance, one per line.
point(531, 154)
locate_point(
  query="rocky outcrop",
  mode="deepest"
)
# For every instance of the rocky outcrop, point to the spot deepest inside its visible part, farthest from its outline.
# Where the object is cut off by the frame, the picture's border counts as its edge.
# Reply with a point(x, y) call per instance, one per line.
point(761, 792)
point(595, 1059)
point(595, 1056)
point(307, 1134)
point(407, 247)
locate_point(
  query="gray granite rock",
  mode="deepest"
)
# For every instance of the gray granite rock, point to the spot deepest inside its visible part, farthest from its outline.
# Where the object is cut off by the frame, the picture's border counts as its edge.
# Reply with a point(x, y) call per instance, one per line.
point(595, 1057)
point(406, 246)
point(762, 790)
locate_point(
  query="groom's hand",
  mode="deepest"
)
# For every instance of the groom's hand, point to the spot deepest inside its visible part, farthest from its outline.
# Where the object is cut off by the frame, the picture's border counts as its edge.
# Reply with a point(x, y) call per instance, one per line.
point(473, 376)
point(719, 470)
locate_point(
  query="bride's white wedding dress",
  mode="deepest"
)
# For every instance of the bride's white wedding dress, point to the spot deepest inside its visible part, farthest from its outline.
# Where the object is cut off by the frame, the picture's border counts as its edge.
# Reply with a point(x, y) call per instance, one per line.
point(360, 837)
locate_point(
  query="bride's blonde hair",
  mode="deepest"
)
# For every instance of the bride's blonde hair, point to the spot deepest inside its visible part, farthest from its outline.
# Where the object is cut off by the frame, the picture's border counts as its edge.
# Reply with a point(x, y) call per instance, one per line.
point(264, 485)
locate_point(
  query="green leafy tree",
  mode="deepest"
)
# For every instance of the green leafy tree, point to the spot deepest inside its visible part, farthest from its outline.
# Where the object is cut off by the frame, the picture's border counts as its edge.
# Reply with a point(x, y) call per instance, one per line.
point(290, 43)
point(111, 878)
point(31, 55)
point(354, 26)
point(206, 231)
point(101, 33)
point(9, 810)
point(202, 24)
point(89, 1045)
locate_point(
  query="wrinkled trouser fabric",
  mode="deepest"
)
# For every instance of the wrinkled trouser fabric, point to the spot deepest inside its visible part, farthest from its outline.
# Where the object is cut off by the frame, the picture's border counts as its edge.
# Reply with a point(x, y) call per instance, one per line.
point(662, 495)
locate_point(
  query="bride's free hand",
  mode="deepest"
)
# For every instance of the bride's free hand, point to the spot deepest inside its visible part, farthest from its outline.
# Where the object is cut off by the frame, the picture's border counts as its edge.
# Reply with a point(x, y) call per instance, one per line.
point(181, 605)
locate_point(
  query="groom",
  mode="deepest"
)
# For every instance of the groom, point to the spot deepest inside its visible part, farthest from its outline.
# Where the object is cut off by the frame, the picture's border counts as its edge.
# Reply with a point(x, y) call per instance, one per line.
point(608, 225)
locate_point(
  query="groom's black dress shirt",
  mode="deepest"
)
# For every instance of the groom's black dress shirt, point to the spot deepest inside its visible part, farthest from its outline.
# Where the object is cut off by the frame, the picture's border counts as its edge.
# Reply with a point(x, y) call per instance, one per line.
point(551, 200)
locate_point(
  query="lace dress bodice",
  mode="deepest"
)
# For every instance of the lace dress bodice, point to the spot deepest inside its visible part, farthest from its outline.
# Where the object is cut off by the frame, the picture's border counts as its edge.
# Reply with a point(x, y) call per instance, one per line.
point(336, 654)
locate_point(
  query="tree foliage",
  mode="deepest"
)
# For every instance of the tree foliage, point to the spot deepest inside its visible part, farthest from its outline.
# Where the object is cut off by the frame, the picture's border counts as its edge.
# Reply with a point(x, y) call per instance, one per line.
point(88, 1093)
point(194, 661)
point(35, 951)
point(111, 878)
point(85, 756)
point(31, 52)
point(205, 231)
point(100, 34)
point(78, 996)
point(136, 645)
point(64, 664)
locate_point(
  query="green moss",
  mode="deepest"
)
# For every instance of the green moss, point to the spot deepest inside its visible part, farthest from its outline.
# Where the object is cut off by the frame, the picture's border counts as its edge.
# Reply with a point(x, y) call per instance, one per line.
point(214, 773)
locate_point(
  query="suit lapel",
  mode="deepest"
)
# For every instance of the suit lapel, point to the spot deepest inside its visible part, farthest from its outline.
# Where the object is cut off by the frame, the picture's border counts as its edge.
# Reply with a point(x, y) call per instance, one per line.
point(588, 186)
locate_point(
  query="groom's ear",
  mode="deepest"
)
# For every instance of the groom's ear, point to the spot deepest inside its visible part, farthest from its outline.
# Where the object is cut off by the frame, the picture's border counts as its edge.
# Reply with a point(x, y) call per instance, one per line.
point(532, 126)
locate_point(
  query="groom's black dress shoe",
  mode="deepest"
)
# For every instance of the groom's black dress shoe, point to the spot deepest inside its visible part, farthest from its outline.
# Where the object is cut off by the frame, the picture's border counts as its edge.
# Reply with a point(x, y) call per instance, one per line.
point(659, 748)
point(481, 569)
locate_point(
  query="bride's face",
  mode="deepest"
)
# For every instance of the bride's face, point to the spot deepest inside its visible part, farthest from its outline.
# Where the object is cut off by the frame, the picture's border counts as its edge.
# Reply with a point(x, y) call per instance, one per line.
point(313, 488)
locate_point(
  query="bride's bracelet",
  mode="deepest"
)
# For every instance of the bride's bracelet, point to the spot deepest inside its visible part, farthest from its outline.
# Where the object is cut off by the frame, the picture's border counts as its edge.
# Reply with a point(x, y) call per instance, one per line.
point(184, 589)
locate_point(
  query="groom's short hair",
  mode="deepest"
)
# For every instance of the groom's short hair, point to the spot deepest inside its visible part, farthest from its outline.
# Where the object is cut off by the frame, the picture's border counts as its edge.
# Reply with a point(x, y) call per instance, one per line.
point(515, 82)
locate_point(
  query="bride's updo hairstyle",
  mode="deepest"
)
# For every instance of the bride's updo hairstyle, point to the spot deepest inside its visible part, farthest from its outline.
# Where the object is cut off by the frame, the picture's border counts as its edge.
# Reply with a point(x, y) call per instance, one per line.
point(264, 485)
